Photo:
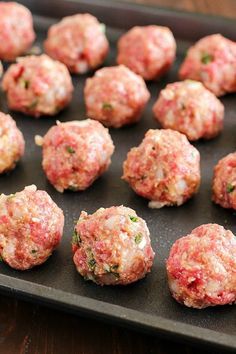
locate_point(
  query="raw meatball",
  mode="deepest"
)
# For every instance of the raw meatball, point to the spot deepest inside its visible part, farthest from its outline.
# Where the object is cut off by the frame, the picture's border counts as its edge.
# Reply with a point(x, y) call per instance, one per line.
point(212, 60)
point(191, 109)
point(149, 51)
point(37, 85)
point(75, 154)
point(31, 226)
point(201, 267)
point(115, 96)
point(12, 143)
point(163, 168)
point(79, 42)
point(112, 246)
point(16, 30)
point(224, 182)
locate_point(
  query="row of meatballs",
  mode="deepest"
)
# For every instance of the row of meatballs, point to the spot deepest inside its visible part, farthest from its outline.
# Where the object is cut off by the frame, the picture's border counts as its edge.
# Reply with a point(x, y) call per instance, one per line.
point(80, 43)
point(164, 168)
point(115, 96)
point(112, 247)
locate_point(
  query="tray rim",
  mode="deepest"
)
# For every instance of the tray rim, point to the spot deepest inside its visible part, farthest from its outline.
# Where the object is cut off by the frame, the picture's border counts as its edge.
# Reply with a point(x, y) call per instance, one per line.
point(120, 315)
point(100, 309)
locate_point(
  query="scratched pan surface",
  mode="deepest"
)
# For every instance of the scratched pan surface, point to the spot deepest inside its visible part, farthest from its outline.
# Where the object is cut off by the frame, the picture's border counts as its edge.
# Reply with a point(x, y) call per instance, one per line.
point(147, 304)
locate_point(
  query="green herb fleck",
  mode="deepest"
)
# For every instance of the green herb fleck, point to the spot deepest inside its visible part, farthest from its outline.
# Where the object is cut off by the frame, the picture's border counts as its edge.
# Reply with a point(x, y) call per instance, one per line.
point(133, 218)
point(107, 106)
point(33, 104)
point(76, 238)
point(91, 260)
point(26, 84)
point(138, 238)
point(1, 259)
point(207, 58)
point(70, 150)
point(92, 263)
point(73, 188)
point(103, 27)
point(33, 251)
point(112, 269)
point(230, 188)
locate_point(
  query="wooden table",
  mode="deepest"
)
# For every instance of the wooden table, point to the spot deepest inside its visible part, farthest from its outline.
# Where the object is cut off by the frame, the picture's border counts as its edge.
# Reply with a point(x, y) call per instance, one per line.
point(32, 329)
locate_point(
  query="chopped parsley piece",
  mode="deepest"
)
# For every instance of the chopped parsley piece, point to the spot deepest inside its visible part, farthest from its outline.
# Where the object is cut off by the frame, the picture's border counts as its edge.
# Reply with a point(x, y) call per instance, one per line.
point(70, 150)
point(1, 259)
point(26, 84)
point(103, 27)
point(107, 106)
point(116, 275)
point(112, 269)
point(91, 260)
point(34, 251)
point(92, 263)
point(230, 188)
point(73, 188)
point(206, 58)
point(138, 238)
point(76, 238)
point(33, 104)
point(133, 218)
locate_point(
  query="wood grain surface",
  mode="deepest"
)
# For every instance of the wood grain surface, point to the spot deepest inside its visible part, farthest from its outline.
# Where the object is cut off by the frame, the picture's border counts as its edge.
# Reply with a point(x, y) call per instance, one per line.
point(32, 329)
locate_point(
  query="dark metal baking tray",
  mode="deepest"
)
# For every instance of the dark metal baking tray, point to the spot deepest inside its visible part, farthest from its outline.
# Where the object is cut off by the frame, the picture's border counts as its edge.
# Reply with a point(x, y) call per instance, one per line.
point(146, 305)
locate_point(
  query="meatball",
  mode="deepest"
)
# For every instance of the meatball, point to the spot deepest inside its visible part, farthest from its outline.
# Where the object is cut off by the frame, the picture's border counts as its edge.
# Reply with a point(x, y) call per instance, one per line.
point(115, 96)
point(112, 246)
point(164, 168)
point(37, 85)
point(12, 143)
point(31, 226)
point(201, 267)
point(191, 109)
point(224, 182)
point(149, 51)
point(16, 30)
point(212, 60)
point(75, 154)
point(79, 42)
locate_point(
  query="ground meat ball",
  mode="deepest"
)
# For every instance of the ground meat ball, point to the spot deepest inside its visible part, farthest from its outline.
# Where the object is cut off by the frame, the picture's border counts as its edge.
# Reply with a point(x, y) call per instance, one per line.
point(191, 109)
point(201, 267)
point(149, 51)
point(16, 30)
point(163, 168)
point(112, 246)
point(79, 42)
point(12, 144)
point(75, 154)
point(212, 60)
point(37, 85)
point(31, 226)
point(224, 182)
point(115, 96)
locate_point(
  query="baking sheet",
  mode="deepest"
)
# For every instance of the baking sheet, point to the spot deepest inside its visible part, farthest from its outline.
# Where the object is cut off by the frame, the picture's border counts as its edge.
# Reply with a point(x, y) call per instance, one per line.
point(146, 304)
